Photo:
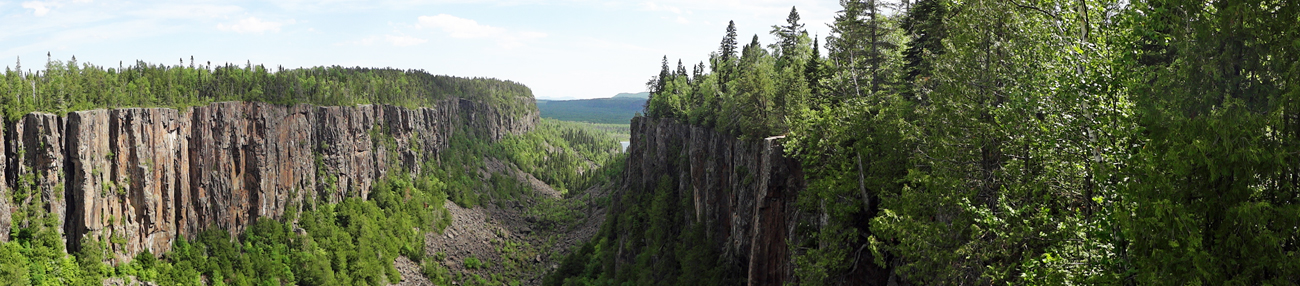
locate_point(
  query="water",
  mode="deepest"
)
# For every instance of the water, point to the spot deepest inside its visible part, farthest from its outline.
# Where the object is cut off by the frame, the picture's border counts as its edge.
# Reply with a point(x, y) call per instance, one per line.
point(625, 143)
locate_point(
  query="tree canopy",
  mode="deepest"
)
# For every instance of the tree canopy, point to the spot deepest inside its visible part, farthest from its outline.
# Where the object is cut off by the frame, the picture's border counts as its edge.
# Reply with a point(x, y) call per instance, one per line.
point(1146, 142)
point(71, 86)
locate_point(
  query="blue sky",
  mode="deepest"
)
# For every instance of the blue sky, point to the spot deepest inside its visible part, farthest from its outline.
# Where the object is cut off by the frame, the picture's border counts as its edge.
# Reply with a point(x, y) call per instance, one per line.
point(562, 49)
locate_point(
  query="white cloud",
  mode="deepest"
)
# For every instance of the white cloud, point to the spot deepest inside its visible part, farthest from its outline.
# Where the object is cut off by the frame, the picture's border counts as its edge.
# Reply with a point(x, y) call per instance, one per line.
point(253, 25)
point(460, 27)
point(457, 27)
point(404, 41)
point(40, 8)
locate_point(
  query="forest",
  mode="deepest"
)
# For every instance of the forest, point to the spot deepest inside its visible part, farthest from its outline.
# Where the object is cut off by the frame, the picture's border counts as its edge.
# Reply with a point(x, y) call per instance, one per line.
point(352, 242)
point(66, 86)
point(355, 241)
point(955, 142)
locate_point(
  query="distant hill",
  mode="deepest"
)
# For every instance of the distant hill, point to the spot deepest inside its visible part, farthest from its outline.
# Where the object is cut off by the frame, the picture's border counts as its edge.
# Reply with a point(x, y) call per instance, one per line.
point(641, 95)
point(617, 110)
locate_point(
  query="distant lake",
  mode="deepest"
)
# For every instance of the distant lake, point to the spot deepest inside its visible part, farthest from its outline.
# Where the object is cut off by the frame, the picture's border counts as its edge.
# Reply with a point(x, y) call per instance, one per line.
point(625, 143)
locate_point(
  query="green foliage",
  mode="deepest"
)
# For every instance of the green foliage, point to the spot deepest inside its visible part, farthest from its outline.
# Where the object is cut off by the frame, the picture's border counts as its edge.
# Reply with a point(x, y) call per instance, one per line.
point(562, 154)
point(1041, 142)
point(617, 110)
point(72, 86)
point(35, 256)
point(1215, 91)
point(658, 250)
point(349, 243)
point(355, 241)
point(473, 263)
point(436, 273)
point(352, 242)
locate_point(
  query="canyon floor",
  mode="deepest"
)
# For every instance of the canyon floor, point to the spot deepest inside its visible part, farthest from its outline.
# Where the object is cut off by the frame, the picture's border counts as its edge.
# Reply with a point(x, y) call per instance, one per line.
point(512, 243)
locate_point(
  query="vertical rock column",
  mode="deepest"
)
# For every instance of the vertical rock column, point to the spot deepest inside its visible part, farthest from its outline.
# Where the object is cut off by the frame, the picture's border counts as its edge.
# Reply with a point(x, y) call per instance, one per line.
point(138, 178)
point(345, 147)
point(779, 178)
point(218, 162)
point(128, 171)
point(149, 164)
point(743, 191)
point(35, 148)
point(89, 170)
point(281, 164)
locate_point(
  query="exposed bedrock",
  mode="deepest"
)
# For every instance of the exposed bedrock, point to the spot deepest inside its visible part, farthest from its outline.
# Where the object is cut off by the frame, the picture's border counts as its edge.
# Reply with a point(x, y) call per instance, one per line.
point(139, 178)
point(743, 190)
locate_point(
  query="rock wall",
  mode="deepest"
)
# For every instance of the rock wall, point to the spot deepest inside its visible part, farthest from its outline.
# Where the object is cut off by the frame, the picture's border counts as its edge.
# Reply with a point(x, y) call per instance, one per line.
point(743, 190)
point(138, 178)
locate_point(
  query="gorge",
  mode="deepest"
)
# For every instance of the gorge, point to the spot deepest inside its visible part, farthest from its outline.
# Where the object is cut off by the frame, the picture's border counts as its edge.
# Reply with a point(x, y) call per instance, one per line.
point(143, 177)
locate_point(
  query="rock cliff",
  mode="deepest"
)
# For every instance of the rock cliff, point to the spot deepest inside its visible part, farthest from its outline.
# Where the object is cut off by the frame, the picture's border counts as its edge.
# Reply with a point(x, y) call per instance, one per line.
point(743, 191)
point(139, 178)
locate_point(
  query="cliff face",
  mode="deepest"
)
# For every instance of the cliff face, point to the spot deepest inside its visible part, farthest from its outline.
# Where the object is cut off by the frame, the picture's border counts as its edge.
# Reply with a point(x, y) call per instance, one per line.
point(743, 191)
point(138, 178)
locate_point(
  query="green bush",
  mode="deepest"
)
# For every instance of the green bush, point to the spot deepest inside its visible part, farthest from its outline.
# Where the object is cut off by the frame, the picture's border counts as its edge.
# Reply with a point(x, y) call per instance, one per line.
point(473, 263)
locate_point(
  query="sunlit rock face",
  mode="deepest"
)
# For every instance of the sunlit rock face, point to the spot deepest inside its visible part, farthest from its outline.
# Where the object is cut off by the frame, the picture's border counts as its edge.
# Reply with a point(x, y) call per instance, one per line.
point(139, 178)
point(743, 190)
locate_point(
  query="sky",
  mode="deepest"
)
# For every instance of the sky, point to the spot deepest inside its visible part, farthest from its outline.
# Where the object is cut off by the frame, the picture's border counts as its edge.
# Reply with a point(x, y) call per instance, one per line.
point(561, 49)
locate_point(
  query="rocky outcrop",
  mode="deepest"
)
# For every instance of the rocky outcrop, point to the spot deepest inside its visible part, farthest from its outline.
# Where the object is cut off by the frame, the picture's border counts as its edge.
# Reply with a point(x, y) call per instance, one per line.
point(743, 191)
point(139, 178)
point(34, 165)
point(125, 168)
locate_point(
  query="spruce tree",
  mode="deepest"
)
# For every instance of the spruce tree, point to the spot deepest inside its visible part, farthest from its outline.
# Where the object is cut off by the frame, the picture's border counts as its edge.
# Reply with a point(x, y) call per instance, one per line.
point(813, 74)
point(788, 35)
point(664, 76)
point(728, 50)
point(681, 69)
point(924, 25)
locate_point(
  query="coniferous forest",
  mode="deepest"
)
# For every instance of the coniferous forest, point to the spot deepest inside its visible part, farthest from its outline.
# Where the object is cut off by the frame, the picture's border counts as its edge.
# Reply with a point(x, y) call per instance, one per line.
point(66, 86)
point(942, 142)
point(354, 241)
point(951, 142)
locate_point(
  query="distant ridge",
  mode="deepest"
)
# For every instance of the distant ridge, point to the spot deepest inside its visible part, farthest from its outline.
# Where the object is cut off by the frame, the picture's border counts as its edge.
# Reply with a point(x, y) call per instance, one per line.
point(641, 95)
point(616, 110)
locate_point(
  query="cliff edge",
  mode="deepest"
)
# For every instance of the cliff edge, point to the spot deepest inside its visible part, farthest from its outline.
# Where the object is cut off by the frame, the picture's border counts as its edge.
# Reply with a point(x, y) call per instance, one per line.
point(139, 178)
point(741, 193)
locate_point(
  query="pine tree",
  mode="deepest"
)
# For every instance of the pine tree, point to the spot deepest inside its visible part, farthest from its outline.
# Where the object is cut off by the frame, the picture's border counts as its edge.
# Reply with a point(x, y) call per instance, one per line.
point(924, 24)
point(681, 69)
point(728, 50)
point(697, 72)
point(788, 36)
point(665, 75)
point(814, 73)
point(859, 44)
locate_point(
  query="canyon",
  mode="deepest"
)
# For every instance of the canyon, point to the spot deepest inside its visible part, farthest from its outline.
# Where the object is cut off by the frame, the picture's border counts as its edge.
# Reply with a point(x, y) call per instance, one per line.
point(140, 178)
point(743, 193)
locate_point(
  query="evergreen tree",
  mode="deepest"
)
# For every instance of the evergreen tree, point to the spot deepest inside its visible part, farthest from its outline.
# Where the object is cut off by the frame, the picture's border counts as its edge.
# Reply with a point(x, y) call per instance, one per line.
point(814, 72)
point(697, 71)
point(924, 25)
point(728, 49)
point(1215, 196)
point(860, 46)
point(788, 37)
point(664, 76)
point(681, 69)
